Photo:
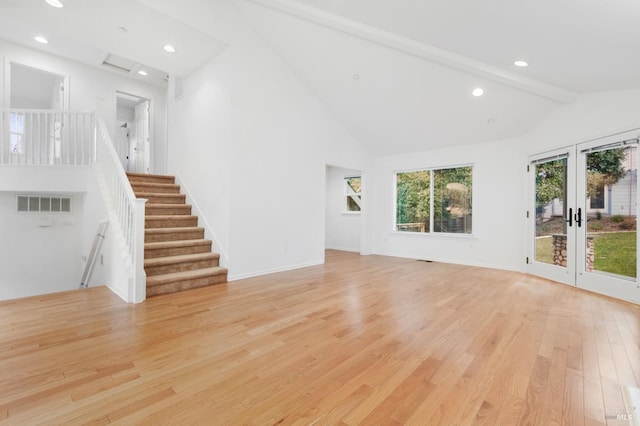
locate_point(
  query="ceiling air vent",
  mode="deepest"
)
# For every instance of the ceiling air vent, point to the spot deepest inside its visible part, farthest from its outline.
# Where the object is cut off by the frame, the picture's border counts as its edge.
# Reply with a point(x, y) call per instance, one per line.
point(118, 63)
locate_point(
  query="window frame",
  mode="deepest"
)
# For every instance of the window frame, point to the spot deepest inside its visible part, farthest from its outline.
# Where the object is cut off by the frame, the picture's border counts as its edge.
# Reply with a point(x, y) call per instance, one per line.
point(431, 171)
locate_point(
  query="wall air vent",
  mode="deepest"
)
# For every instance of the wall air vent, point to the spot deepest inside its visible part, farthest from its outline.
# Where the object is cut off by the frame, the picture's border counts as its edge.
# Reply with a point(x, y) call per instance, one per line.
point(48, 204)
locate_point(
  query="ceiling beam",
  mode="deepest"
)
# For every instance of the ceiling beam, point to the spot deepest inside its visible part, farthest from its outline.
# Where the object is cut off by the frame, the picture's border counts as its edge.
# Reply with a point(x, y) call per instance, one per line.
point(420, 50)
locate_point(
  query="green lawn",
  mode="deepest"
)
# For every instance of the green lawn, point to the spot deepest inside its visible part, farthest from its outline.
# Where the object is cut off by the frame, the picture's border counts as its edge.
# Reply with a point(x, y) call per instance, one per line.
point(544, 250)
point(614, 252)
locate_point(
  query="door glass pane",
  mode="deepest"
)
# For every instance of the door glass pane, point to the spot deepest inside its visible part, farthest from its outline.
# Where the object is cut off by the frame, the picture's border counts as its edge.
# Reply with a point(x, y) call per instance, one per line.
point(551, 201)
point(612, 177)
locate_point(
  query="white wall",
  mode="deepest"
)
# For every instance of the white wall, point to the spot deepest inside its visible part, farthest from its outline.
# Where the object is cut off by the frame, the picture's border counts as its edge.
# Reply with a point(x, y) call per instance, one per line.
point(592, 116)
point(498, 217)
point(63, 248)
point(35, 259)
point(342, 230)
point(91, 88)
point(253, 146)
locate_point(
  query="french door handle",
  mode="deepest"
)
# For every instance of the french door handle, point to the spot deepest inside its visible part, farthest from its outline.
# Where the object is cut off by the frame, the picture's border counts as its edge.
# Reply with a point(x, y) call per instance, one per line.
point(578, 217)
point(570, 220)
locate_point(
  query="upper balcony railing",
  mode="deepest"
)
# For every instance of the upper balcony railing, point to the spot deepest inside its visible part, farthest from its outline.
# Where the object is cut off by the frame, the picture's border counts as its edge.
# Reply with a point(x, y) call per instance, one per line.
point(47, 138)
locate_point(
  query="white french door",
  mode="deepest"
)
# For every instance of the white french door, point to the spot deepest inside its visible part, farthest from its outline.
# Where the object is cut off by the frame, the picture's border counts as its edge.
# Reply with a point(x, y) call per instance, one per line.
point(583, 216)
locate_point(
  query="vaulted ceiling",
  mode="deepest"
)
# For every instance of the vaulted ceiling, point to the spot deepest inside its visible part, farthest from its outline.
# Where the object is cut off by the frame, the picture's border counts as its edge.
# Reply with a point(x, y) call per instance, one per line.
point(398, 75)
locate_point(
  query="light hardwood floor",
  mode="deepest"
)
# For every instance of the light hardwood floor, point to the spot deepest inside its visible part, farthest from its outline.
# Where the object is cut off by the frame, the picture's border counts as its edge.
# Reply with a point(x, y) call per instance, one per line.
point(359, 340)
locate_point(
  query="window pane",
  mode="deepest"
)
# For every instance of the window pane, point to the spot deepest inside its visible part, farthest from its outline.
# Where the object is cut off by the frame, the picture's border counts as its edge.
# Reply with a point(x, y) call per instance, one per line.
point(355, 183)
point(412, 201)
point(452, 200)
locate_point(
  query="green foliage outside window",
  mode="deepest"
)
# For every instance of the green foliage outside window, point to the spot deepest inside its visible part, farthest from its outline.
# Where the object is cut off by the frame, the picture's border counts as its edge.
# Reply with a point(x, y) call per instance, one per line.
point(452, 200)
point(412, 201)
point(452, 190)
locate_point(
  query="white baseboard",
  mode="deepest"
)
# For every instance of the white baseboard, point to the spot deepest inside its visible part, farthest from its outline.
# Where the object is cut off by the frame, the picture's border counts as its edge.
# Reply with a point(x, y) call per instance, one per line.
point(274, 270)
point(351, 249)
point(118, 293)
point(454, 262)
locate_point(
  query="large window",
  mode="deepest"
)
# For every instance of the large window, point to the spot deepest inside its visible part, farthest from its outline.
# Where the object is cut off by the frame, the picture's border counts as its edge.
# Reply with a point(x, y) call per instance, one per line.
point(434, 200)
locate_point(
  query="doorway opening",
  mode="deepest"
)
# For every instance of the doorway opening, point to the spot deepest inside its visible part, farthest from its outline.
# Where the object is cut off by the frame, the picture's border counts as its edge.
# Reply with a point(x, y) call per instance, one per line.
point(343, 207)
point(33, 88)
point(133, 132)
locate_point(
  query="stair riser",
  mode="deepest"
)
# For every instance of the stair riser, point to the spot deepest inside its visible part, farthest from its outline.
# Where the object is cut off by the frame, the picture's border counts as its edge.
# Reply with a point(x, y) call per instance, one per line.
point(152, 179)
point(170, 223)
point(180, 267)
point(196, 234)
point(177, 251)
point(156, 189)
point(165, 211)
point(185, 285)
point(170, 199)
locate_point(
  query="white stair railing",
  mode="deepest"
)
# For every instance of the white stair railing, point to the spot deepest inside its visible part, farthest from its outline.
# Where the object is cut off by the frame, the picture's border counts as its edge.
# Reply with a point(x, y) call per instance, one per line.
point(127, 211)
point(46, 138)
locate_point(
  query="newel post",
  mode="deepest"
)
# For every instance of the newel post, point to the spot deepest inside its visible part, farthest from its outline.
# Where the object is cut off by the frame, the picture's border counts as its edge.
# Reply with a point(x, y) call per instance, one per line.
point(140, 278)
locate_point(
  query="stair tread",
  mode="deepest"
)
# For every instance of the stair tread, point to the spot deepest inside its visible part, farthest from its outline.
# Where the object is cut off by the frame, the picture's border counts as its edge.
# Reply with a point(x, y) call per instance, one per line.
point(177, 243)
point(185, 275)
point(169, 260)
point(170, 230)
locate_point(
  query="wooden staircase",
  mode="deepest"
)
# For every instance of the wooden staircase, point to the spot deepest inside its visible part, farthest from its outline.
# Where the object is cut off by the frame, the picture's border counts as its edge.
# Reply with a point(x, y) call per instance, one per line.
point(176, 255)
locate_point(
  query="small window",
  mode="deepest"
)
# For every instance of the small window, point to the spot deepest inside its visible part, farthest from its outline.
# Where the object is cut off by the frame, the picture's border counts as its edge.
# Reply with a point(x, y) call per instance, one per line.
point(16, 133)
point(48, 204)
point(353, 193)
point(434, 200)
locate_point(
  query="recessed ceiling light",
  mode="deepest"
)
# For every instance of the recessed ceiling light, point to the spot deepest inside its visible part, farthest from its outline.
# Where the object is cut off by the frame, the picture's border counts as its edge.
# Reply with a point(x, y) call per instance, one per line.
point(123, 29)
point(356, 77)
point(41, 39)
point(169, 48)
point(142, 72)
point(520, 63)
point(491, 121)
point(478, 91)
point(55, 3)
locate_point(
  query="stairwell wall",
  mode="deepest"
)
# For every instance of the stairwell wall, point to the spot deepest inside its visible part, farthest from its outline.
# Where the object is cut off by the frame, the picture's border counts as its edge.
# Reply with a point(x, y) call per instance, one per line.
point(251, 142)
